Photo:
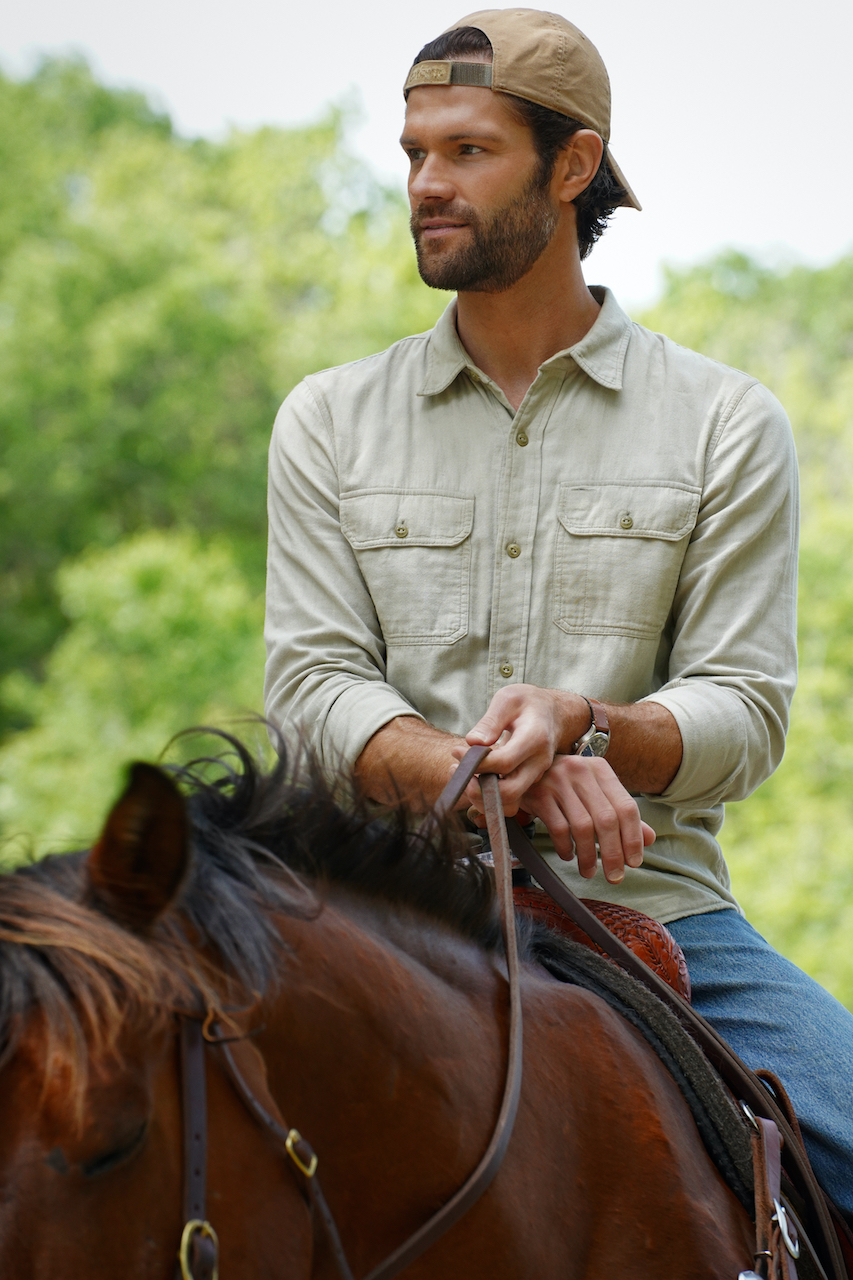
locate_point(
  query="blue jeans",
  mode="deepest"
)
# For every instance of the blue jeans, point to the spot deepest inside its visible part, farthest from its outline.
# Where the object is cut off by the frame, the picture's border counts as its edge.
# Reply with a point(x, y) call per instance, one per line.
point(773, 1015)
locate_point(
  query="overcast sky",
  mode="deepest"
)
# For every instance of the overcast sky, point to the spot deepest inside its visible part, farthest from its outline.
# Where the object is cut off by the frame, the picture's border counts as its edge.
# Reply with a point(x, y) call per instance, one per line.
point(731, 120)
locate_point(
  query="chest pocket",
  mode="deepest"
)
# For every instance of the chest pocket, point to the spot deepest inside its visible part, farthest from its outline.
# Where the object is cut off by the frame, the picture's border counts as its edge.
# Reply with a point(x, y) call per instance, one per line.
point(619, 550)
point(414, 550)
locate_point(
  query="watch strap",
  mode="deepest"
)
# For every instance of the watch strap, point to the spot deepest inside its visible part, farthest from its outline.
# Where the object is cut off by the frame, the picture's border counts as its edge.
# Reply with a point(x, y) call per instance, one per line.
point(599, 729)
point(600, 722)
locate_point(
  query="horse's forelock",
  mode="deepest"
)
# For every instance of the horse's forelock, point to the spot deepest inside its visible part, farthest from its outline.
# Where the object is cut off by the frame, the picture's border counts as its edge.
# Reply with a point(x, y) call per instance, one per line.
point(80, 977)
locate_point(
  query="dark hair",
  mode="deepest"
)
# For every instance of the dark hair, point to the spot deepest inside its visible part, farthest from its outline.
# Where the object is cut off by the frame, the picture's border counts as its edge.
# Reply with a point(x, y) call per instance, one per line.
point(551, 131)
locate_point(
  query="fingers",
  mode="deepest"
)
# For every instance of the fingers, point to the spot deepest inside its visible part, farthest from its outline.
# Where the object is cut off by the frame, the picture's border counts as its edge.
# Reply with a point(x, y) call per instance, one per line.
point(503, 709)
point(586, 809)
point(591, 816)
point(522, 726)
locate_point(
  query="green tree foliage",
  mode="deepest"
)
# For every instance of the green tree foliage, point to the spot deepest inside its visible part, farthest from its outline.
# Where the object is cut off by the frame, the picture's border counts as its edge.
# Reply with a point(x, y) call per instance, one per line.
point(158, 298)
point(164, 634)
point(790, 845)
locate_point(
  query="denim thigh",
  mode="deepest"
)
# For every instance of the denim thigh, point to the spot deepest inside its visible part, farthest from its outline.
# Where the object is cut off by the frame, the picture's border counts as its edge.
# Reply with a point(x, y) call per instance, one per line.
point(775, 1016)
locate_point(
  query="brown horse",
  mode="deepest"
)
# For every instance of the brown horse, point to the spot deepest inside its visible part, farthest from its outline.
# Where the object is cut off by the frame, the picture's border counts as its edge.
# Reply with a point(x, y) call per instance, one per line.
point(90, 1105)
point(381, 1014)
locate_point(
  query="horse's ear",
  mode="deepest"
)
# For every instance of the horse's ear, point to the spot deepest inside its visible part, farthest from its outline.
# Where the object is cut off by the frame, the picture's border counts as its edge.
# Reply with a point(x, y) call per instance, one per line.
point(137, 866)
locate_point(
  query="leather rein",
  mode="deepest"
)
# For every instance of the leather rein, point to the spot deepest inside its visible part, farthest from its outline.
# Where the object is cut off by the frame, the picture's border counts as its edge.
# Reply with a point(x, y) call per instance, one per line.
point(198, 1254)
point(773, 1121)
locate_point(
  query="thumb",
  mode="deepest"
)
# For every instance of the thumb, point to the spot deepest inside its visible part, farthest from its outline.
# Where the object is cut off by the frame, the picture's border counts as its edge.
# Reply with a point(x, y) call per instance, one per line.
point(486, 731)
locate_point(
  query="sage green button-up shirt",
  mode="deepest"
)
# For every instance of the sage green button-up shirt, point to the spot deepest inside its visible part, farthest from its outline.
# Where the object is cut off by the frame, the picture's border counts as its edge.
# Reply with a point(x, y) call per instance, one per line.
point(629, 533)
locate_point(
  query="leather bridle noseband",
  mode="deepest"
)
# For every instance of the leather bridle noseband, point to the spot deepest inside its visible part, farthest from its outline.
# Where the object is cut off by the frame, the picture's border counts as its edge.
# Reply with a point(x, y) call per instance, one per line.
point(243, 1063)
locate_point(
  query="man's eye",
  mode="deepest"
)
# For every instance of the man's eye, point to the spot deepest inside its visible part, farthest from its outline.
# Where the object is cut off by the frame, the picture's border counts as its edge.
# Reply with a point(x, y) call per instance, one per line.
point(415, 153)
point(470, 149)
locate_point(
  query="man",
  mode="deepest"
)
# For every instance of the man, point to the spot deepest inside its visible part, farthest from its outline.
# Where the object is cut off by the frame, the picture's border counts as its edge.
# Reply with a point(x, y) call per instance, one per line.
point(542, 528)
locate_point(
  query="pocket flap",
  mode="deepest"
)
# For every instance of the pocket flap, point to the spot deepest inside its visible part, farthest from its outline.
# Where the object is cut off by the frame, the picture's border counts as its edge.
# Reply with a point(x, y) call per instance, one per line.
point(405, 518)
point(637, 510)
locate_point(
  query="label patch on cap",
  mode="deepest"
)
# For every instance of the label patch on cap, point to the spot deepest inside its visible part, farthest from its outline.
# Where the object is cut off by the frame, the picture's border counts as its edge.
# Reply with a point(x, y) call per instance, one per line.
point(475, 74)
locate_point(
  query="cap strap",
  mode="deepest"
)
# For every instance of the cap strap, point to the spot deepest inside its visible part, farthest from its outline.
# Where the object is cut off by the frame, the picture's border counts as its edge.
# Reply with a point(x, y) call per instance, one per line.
point(476, 74)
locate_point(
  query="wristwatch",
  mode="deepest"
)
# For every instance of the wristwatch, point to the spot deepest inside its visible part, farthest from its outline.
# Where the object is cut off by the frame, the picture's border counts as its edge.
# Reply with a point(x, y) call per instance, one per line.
point(596, 740)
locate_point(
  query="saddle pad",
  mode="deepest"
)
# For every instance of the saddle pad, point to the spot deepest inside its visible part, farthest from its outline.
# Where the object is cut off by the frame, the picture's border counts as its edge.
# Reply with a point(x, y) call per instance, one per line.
point(648, 939)
point(721, 1123)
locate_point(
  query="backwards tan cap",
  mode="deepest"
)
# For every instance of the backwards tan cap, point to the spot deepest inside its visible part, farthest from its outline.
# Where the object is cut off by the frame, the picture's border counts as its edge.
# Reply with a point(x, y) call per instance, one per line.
point(538, 56)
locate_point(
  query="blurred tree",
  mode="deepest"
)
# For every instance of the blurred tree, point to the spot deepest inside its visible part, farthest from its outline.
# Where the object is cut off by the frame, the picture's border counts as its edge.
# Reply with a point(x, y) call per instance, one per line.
point(789, 845)
point(158, 298)
point(164, 634)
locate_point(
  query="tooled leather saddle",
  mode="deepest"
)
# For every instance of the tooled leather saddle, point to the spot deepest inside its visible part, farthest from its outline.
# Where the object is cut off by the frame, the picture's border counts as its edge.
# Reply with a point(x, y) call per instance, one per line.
point(648, 939)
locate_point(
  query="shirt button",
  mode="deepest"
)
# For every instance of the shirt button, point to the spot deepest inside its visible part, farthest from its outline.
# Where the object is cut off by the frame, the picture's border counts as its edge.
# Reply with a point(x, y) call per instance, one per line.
point(522, 439)
point(513, 550)
point(401, 531)
point(626, 522)
point(506, 669)
point(474, 375)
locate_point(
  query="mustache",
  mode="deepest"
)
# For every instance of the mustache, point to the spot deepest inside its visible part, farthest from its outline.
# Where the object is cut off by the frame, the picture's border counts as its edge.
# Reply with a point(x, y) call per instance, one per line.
point(454, 211)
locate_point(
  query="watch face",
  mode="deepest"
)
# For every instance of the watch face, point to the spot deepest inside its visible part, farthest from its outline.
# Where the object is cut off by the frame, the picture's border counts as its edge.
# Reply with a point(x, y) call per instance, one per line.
point(597, 745)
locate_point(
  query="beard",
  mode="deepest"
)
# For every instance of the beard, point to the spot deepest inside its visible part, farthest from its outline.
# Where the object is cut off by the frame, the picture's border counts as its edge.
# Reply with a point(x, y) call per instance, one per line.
point(502, 246)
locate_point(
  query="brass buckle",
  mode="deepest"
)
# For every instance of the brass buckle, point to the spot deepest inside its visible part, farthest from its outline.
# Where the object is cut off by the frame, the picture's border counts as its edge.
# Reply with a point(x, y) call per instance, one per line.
point(290, 1144)
point(204, 1229)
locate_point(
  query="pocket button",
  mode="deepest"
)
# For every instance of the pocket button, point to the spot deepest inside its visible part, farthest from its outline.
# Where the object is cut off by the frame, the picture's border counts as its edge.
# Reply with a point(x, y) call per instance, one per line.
point(626, 522)
point(401, 531)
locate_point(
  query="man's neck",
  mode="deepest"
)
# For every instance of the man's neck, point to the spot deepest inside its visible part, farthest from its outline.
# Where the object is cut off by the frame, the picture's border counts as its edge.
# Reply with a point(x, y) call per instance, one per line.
point(509, 335)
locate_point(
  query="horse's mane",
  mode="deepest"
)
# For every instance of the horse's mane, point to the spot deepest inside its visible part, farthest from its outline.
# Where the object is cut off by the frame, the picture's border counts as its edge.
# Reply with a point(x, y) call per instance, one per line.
point(261, 841)
point(260, 835)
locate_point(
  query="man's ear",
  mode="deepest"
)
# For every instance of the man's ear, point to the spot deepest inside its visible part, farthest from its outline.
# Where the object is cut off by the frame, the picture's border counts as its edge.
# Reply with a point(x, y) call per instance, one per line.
point(137, 866)
point(577, 164)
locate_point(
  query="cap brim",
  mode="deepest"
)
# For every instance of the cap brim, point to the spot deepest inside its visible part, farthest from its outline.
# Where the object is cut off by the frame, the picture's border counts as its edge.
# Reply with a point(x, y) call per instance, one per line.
point(630, 201)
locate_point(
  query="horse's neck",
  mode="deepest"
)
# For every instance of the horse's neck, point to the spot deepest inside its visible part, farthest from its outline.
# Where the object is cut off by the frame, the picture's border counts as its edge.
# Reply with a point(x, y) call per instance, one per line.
point(387, 1042)
point(365, 981)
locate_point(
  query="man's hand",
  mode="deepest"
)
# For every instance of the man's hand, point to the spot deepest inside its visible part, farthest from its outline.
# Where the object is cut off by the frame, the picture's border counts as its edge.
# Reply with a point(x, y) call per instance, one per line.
point(587, 812)
point(580, 799)
point(527, 727)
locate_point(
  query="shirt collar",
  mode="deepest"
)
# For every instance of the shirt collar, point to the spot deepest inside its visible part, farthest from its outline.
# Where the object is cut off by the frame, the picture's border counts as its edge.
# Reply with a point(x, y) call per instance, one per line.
point(600, 352)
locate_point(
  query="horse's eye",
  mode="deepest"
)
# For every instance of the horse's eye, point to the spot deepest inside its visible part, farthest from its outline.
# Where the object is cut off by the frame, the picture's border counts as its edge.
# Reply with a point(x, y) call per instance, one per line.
point(103, 1163)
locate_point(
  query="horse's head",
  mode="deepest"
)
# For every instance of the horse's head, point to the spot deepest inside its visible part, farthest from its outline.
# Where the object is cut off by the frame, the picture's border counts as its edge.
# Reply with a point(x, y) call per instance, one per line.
point(91, 1152)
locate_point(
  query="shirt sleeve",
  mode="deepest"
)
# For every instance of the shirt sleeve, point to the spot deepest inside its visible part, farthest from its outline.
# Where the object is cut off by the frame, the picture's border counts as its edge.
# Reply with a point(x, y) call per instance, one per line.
point(733, 660)
point(325, 673)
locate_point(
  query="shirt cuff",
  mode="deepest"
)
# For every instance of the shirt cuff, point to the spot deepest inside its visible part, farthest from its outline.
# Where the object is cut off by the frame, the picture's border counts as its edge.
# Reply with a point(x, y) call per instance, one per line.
point(356, 714)
point(714, 727)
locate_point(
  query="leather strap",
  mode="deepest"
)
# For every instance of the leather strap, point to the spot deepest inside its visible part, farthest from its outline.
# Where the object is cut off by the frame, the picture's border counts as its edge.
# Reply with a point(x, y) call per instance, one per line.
point(742, 1082)
point(479, 1180)
point(246, 1069)
point(776, 1244)
point(599, 723)
point(198, 1257)
point(599, 714)
point(737, 1075)
point(194, 1089)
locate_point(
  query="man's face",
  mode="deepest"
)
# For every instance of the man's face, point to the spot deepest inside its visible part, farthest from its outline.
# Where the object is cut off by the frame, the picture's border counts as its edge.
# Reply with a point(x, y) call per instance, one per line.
point(480, 218)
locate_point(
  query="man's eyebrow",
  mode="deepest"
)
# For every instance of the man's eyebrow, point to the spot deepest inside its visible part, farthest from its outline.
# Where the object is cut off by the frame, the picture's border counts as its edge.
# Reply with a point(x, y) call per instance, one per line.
point(468, 135)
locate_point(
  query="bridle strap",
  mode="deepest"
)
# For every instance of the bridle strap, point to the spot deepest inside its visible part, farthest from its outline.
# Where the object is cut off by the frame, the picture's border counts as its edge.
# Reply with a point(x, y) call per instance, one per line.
point(194, 1090)
point(198, 1256)
point(742, 1082)
point(245, 1067)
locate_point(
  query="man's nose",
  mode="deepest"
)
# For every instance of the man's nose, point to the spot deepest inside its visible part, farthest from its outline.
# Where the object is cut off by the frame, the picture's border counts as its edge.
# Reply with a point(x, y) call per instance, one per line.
point(431, 181)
